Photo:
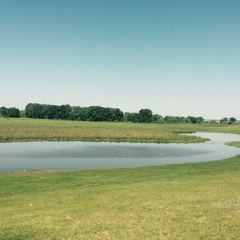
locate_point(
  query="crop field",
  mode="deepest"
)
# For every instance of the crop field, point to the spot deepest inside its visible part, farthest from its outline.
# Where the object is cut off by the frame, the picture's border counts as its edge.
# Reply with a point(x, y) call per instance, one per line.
point(57, 130)
point(189, 201)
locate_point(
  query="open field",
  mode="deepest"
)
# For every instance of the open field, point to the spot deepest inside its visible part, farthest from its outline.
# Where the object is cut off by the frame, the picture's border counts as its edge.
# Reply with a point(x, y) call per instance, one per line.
point(57, 130)
point(189, 201)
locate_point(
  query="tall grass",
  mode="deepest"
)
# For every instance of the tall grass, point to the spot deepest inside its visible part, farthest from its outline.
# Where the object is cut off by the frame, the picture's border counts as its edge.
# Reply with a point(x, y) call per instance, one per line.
point(57, 130)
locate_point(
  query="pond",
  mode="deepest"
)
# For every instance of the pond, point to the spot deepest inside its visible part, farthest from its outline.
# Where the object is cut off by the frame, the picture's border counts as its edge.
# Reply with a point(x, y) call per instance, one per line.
point(88, 155)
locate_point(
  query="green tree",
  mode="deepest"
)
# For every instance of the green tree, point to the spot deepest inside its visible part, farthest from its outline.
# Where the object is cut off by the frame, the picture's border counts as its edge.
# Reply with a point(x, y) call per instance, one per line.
point(115, 115)
point(177, 119)
point(131, 117)
point(75, 113)
point(157, 119)
point(232, 120)
point(170, 119)
point(50, 111)
point(13, 112)
point(145, 116)
point(10, 112)
point(224, 120)
point(195, 120)
point(84, 114)
point(3, 112)
point(64, 112)
point(200, 119)
point(34, 110)
point(95, 114)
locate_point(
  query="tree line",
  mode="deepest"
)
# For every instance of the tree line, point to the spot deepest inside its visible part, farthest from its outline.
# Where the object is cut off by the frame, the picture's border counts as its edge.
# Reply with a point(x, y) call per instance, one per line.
point(99, 114)
point(146, 115)
point(67, 112)
point(225, 120)
point(10, 112)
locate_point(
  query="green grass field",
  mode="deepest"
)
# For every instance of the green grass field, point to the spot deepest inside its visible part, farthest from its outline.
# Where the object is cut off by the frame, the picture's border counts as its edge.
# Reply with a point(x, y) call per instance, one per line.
point(188, 201)
point(56, 130)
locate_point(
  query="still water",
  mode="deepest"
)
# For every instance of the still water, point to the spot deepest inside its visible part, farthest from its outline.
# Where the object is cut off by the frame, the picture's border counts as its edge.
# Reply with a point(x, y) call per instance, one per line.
point(82, 155)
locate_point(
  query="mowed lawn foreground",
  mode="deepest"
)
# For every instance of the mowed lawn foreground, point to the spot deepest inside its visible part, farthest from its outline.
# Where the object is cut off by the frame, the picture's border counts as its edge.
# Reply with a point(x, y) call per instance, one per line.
point(189, 201)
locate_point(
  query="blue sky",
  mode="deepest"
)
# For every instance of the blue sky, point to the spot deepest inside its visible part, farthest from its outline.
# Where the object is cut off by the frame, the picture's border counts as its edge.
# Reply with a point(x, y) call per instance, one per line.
point(173, 57)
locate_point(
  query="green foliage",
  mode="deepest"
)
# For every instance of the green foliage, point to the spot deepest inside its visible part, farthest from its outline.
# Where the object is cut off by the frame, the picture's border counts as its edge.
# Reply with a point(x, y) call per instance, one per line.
point(51, 111)
point(172, 119)
point(232, 120)
point(10, 112)
point(76, 114)
point(131, 117)
point(225, 120)
point(157, 119)
point(195, 120)
point(3, 112)
point(100, 114)
point(177, 119)
point(145, 116)
point(66, 112)
point(14, 112)
point(34, 110)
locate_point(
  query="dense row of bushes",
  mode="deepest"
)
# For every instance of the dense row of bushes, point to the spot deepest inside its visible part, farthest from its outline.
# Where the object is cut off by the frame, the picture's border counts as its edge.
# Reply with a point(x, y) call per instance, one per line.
point(145, 115)
point(98, 114)
point(231, 120)
point(9, 112)
point(66, 112)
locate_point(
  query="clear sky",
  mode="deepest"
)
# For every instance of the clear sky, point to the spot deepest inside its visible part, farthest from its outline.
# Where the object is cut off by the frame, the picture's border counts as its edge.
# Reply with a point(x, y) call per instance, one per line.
point(175, 57)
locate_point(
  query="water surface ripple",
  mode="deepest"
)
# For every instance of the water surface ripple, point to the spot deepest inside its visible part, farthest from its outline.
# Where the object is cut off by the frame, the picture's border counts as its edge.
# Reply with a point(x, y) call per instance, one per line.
point(82, 155)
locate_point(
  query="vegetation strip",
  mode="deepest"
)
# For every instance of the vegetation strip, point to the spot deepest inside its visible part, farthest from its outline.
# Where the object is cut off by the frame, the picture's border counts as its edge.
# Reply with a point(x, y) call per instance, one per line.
point(22, 129)
point(99, 114)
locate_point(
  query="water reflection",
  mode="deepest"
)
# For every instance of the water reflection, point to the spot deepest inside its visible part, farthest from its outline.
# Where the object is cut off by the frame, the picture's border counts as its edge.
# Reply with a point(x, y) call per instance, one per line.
point(82, 155)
